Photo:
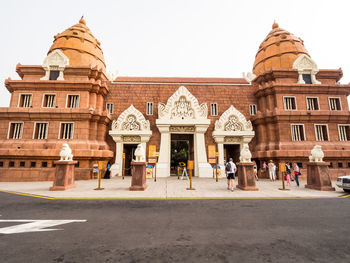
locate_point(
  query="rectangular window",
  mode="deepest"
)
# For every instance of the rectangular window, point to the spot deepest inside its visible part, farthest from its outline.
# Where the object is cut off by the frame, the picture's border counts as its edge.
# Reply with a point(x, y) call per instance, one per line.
point(25, 100)
point(11, 164)
point(149, 108)
point(300, 165)
point(321, 132)
point(40, 131)
point(15, 130)
point(312, 103)
point(77, 164)
point(289, 103)
point(330, 165)
point(66, 130)
point(344, 132)
point(252, 109)
point(49, 100)
point(44, 164)
point(348, 164)
point(109, 107)
point(1, 164)
point(340, 165)
point(334, 104)
point(297, 132)
point(72, 101)
point(32, 164)
point(54, 74)
point(22, 164)
point(307, 78)
point(213, 109)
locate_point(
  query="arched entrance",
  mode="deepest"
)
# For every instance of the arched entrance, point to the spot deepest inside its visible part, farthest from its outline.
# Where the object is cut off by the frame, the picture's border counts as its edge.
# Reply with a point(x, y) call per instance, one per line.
point(182, 114)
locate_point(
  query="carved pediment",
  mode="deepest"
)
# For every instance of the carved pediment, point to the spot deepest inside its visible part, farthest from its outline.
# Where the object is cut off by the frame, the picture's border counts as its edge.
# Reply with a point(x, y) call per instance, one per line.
point(233, 120)
point(304, 62)
point(131, 120)
point(55, 60)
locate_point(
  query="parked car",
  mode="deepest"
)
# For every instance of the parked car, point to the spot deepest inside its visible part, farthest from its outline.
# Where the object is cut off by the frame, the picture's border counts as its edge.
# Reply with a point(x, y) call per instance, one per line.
point(344, 182)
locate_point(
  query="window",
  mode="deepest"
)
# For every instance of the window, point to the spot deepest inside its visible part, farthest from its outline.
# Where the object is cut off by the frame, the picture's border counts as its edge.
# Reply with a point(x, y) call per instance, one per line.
point(252, 109)
point(307, 78)
point(40, 130)
point(330, 165)
point(334, 104)
point(11, 164)
point(300, 165)
point(44, 164)
point(344, 132)
point(348, 164)
point(213, 109)
point(109, 107)
point(15, 130)
point(66, 130)
point(22, 164)
point(1, 164)
point(340, 165)
point(297, 132)
point(54, 74)
point(289, 103)
point(321, 132)
point(25, 100)
point(32, 164)
point(312, 103)
point(77, 164)
point(149, 108)
point(72, 101)
point(49, 100)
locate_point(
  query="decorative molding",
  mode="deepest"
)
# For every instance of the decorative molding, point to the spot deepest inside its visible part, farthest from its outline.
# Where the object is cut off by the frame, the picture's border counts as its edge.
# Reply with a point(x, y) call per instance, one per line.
point(305, 65)
point(233, 139)
point(182, 105)
point(131, 120)
point(131, 138)
point(233, 120)
point(182, 129)
point(56, 60)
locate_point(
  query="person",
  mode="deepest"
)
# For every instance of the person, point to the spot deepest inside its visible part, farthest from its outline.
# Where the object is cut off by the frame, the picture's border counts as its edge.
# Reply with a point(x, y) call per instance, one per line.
point(108, 171)
point(291, 175)
point(230, 170)
point(255, 167)
point(288, 173)
point(272, 170)
point(264, 168)
point(296, 173)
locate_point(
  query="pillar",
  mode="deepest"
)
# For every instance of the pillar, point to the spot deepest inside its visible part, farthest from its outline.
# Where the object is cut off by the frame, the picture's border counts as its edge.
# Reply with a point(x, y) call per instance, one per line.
point(204, 168)
point(246, 177)
point(163, 165)
point(64, 176)
point(318, 176)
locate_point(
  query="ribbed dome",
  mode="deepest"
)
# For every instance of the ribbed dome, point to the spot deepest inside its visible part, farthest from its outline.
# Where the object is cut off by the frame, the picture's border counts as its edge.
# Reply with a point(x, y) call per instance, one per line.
point(279, 50)
point(80, 46)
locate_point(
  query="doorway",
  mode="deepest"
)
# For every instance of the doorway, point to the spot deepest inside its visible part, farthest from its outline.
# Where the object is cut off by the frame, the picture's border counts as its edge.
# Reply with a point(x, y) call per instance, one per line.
point(129, 150)
point(182, 150)
point(232, 151)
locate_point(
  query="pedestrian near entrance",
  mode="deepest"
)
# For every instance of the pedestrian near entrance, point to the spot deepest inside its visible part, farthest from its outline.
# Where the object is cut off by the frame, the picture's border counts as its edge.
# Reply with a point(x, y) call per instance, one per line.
point(230, 170)
point(255, 168)
point(296, 173)
point(288, 173)
point(108, 171)
point(272, 170)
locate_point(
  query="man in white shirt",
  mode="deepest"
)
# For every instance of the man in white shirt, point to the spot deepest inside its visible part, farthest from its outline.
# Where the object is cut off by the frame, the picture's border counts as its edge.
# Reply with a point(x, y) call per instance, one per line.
point(230, 170)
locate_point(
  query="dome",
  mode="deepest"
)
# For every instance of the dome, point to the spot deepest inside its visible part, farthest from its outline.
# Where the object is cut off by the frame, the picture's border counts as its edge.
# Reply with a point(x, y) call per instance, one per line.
point(80, 46)
point(279, 50)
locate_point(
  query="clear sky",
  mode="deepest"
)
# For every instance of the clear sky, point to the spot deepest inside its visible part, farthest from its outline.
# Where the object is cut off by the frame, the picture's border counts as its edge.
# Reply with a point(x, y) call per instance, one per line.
point(180, 38)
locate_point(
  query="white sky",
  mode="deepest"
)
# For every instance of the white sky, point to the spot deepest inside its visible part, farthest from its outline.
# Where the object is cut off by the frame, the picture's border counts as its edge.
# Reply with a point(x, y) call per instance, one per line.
point(184, 38)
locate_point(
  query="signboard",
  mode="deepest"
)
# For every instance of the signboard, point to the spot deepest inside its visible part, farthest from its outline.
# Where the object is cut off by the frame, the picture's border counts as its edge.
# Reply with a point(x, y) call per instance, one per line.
point(151, 150)
point(152, 160)
point(190, 165)
point(149, 171)
point(212, 160)
point(156, 154)
point(282, 167)
point(124, 155)
point(211, 151)
point(217, 154)
point(219, 171)
point(95, 169)
point(100, 165)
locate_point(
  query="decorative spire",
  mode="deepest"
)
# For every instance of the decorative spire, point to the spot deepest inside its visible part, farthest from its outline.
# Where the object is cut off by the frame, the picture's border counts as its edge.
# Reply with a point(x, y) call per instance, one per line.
point(274, 25)
point(82, 20)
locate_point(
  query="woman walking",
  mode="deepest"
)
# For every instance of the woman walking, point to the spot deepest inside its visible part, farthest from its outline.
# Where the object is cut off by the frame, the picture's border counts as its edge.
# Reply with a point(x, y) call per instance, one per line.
point(272, 170)
point(296, 173)
point(288, 173)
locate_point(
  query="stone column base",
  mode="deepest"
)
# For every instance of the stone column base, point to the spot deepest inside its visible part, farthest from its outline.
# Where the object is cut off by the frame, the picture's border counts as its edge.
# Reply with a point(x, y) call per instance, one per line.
point(318, 176)
point(64, 176)
point(246, 178)
point(205, 170)
point(138, 180)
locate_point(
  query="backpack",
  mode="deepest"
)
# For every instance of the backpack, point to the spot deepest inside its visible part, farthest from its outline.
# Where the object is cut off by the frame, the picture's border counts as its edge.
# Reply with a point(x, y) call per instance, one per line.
point(228, 167)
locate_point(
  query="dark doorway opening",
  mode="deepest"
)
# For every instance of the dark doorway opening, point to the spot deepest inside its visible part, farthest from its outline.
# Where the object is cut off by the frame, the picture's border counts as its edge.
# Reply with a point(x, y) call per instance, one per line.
point(129, 150)
point(182, 150)
point(232, 151)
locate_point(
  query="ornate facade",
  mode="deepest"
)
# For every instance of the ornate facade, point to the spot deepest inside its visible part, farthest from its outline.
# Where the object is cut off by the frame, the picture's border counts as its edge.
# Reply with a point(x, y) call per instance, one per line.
point(280, 110)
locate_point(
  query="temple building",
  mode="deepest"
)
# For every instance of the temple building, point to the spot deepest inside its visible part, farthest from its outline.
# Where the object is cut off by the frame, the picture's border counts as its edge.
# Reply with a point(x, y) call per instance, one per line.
point(280, 110)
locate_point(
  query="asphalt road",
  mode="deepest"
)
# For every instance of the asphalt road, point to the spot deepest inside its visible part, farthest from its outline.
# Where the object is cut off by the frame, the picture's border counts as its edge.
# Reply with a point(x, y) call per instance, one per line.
point(293, 230)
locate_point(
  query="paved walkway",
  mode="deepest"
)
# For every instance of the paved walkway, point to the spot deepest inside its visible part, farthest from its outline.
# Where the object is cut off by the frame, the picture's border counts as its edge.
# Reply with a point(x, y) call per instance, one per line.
point(168, 188)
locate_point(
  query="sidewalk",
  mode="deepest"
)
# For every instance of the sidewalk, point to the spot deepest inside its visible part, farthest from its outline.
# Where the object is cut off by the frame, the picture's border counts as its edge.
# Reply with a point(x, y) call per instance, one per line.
point(169, 187)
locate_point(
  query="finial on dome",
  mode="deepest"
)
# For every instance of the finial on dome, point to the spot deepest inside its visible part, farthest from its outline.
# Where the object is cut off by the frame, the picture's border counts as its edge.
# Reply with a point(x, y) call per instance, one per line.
point(82, 20)
point(274, 25)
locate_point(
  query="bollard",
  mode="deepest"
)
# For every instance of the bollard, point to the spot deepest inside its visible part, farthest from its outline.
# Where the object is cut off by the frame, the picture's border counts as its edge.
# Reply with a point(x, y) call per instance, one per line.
point(190, 188)
point(283, 184)
point(155, 172)
point(99, 181)
point(123, 171)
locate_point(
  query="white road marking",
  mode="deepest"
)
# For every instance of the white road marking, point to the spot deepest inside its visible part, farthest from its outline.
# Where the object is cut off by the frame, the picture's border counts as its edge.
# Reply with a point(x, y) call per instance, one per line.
point(34, 225)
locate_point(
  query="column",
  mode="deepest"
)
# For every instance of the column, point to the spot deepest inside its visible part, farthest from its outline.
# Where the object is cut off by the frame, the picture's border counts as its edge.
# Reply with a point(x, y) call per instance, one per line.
point(221, 158)
point(163, 165)
point(204, 168)
point(117, 167)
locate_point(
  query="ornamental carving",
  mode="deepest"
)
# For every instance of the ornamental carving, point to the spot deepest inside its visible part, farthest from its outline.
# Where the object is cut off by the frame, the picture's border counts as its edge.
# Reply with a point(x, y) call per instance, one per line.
point(131, 139)
point(131, 120)
point(233, 120)
point(304, 62)
point(232, 139)
point(182, 105)
point(182, 129)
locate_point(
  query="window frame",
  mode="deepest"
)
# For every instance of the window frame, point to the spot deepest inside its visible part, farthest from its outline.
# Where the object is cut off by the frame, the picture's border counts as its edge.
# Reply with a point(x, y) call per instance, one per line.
point(256, 109)
point(284, 103)
point(59, 130)
point(72, 94)
point(318, 102)
point(291, 133)
point(34, 130)
point(19, 100)
point(149, 103)
point(329, 103)
point(43, 99)
point(111, 103)
point(9, 129)
point(216, 107)
point(346, 125)
point(328, 136)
